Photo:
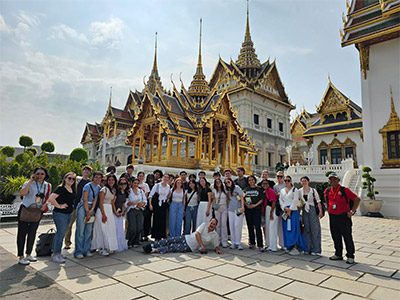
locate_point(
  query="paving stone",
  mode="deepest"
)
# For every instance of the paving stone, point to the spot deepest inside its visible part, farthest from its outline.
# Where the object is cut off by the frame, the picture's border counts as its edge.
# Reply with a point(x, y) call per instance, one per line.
point(162, 266)
point(380, 281)
point(272, 257)
point(373, 270)
point(336, 263)
point(268, 267)
point(306, 265)
point(230, 271)
point(256, 293)
point(120, 269)
point(27, 283)
point(307, 291)
point(397, 275)
point(394, 259)
point(382, 293)
point(142, 278)
point(169, 289)
point(81, 284)
point(376, 251)
point(116, 291)
point(305, 276)
point(348, 297)
point(68, 273)
point(264, 280)
point(179, 257)
point(219, 285)
point(203, 263)
point(47, 264)
point(338, 272)
point(187, 274)
point(348, 286)
point(238, 260)
point(97, 262)
point(203, 295)
point(367, 260)
point(51, 292)
point(390, 265)
point(140, 259)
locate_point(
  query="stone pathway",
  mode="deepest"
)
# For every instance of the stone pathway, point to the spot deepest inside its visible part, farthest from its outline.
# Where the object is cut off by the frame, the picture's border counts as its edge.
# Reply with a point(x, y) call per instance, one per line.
point(246, 274)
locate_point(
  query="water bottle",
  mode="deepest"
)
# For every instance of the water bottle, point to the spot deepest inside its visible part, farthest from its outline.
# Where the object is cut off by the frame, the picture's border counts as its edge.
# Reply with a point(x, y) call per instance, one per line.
point(289, 224)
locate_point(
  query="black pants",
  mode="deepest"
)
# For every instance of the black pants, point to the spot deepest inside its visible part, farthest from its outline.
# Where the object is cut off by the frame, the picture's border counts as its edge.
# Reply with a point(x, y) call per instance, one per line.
point(135, 226)
point(147, 222)
point(158, 231)
point(253, 220)
point(340, 226)
point(26, 231)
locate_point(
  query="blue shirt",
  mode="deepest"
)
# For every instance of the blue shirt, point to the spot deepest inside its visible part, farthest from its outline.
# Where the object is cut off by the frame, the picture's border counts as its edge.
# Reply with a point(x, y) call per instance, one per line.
point(91, 196)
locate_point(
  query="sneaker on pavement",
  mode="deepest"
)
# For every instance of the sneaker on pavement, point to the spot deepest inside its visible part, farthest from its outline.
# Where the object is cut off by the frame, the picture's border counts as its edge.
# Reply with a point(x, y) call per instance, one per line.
point(315, 254)
point(24, 261)
point(89, 254)
point(335, 257)
point(104, 252)
point(232, 246)
point(58, 259)
point(251, 246)
point(271, 250)
point(350, 261)
point(240, 247)
point(261, 249)
point(294, 252)
point(79, 256)
point(31, 258)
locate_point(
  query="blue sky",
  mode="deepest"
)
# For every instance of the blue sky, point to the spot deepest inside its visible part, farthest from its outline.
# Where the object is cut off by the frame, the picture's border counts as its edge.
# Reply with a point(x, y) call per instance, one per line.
point(58, 59)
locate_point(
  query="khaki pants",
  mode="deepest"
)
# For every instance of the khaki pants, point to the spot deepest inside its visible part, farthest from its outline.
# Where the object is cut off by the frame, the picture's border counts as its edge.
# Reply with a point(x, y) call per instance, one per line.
point(67, 239)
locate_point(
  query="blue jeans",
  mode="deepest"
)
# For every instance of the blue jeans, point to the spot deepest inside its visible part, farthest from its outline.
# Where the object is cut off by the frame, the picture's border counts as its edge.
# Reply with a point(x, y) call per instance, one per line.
point(83, 233)
point(62, 221)
point(190, 219)
point(172, 245)
point(175, 219)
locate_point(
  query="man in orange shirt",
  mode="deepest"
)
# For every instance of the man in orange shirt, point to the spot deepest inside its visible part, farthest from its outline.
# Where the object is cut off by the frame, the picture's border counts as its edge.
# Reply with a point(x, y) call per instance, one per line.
point(342, 205)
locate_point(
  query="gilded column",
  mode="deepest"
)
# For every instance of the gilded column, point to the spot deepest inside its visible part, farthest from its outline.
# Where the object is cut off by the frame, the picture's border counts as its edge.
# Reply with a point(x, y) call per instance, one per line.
point(210, 144)
point(187, 146)
point(229, 143)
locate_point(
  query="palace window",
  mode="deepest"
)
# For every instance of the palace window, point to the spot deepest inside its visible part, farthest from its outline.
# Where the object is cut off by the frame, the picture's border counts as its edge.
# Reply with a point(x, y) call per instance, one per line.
point(256, 119)
point(323, 156)
point(269, 123)
point(336, 156)
point(393, 139)
point(269, 159)
point(280, 126)
point(129, 160)
point(349, 152)
point(256, 160)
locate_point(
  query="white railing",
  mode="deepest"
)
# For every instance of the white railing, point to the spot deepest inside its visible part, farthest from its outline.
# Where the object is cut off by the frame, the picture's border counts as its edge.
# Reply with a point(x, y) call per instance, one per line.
point(11, 210)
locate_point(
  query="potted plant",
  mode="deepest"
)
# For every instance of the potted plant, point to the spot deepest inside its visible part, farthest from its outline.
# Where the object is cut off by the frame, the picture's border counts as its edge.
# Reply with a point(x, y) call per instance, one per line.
point(11, 186)
point(372, 204)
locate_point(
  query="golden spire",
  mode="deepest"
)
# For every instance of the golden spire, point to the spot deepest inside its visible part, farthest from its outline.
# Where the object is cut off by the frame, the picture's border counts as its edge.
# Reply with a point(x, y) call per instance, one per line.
point(199, 88)
point(154, 79)
point(109, 101)
point(247, 59)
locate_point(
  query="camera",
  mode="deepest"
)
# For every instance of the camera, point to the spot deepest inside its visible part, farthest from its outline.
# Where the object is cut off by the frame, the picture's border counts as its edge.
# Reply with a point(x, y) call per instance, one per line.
point(40, 195)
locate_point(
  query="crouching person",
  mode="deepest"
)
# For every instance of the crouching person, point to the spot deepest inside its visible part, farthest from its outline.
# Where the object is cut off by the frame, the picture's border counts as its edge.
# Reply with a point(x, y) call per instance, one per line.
point(205, 235)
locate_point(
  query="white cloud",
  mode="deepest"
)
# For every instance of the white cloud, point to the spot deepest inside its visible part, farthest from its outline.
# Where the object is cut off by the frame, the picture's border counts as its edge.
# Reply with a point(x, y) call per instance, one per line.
point(20, 34)
point(30, 19)
point(3, 26)
point(64, 32)
point(107, 33)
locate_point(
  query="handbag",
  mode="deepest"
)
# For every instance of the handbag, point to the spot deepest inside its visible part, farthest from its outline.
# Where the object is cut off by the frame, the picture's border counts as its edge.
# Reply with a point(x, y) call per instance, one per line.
point(32, 213)
point(316, 205)
point(44, 243)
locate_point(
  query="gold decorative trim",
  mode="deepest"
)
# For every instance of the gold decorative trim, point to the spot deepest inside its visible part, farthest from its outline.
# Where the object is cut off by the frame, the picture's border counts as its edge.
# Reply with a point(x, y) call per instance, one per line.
point(364, 59)
point(372, 36)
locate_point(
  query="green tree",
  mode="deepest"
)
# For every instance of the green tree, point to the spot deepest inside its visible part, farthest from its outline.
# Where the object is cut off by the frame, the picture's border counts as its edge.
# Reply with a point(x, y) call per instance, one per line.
point(8, 151)
point(79, 154)
point(25, 141)
point(14, 169)
point(54, 177)
point(20, 158)
point(32, 150)
point(47, 147)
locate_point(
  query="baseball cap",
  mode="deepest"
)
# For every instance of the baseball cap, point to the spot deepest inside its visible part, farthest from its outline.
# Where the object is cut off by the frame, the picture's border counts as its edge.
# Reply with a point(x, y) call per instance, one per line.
point(333, 175)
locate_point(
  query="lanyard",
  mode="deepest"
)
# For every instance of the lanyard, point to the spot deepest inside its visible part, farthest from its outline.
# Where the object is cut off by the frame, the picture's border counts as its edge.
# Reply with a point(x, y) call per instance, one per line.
point(39, 189)
point(334, 193)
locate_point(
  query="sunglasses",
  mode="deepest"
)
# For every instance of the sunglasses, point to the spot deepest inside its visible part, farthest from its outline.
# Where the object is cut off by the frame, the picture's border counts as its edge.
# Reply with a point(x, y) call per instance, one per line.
point(287, 180)
point(228, 182)
point(71, 178)
point(123, 183)
point(279, 176)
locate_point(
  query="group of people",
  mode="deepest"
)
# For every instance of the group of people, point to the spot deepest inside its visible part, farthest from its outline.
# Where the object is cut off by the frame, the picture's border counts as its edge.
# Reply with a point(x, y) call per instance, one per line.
point(184, 213)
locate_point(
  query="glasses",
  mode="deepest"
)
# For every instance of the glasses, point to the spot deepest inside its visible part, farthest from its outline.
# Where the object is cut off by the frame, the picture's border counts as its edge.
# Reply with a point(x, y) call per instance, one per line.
point(123, 183)
point(71, 178)
point(279, 176)
point(228, 182)
point(287, 180)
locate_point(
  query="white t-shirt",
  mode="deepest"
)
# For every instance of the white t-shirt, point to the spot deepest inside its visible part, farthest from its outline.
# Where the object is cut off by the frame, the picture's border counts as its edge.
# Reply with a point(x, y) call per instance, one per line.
point(177, 197)
point(145, 187)
point(208, 238)
point(140, 197)
point(290, 199)
point(191, 199)
point(220, 198)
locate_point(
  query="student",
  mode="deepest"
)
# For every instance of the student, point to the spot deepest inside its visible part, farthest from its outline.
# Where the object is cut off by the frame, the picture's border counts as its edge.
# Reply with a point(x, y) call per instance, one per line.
point(135, 206)
point(241, 180)
point(205, 197)
point(271, 219)
point(176, 195)
point(191, 204)
point(235, 212)
point(129, 172)
point(158, 202)
point(220, 206)
point(118, 207)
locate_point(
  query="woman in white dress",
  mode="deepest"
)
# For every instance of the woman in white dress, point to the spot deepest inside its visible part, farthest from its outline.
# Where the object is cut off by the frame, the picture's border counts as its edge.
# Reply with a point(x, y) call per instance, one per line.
point(221, 211)
point(205, 196)
point(119, 209)
point(104, 231)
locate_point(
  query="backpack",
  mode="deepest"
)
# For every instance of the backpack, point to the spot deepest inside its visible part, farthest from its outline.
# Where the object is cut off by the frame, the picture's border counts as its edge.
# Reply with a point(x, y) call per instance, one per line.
point(44, 244)
point(343, 191)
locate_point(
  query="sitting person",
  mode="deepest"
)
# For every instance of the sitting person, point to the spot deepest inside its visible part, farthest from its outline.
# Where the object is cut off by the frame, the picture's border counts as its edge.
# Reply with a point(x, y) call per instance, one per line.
point(195, 242)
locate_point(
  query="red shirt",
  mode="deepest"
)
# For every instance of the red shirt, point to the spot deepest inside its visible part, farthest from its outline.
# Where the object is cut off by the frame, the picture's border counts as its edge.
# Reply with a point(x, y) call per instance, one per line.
point(335, 197)
point(269, 196)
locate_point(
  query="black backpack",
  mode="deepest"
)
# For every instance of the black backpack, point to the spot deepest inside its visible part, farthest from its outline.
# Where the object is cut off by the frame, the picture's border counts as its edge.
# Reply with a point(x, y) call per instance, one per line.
point(45, 243)
point(343, 191)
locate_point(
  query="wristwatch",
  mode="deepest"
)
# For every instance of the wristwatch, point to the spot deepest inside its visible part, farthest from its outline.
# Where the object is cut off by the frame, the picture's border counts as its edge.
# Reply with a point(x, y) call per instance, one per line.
point(353, 212)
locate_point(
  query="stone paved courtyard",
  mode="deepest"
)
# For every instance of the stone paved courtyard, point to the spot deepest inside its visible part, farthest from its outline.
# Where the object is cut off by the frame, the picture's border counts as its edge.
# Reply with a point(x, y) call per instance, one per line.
point(246, 274)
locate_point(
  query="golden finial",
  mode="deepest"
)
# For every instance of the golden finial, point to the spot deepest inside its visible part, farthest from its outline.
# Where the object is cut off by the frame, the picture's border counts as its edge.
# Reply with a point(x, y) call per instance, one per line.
point(199, 60)
point(393, 110)
point(144, 80)
point(341, 34)
point(247, 21)
point(109, 102)
point(348, 5)
point(155, 55)
point(329, 77)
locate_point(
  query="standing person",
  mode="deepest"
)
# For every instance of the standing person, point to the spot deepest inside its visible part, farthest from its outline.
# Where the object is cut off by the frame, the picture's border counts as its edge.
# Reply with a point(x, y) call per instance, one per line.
point(176, 209)
point(129, 172)
point(158, 174)
point(277, 189)
point(145, 188)
point(147, 212)
point(118, 207)
point(241, 180)
point(104, 231)
point(158, 202)
point(216, 175)
point(228, 173)
point(205, 198)
point(340, 212)
point(86, 170)
point(220, 207)
point(289, 199)
point(192, 177)
point(312, 226)
point(265, 175)
point(63, 201)
point(254, 200)
point(136, 204)
point(36, 191)
point(235, 212)
point(191, 204)
point(271, 219)
point(202, 174)
point(84, 212)
point(183, 176)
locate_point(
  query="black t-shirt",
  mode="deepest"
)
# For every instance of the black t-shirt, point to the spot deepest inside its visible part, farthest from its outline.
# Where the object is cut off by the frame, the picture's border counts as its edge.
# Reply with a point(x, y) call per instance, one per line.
point(79, 190)
point(204, 194)
point(120, 200)
point(242, 182)
point(64, 197)
point(255, 194)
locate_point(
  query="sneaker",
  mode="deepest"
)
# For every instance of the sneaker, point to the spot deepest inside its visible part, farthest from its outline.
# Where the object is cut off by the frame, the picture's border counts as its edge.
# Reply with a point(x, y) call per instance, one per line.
point(251, 246)
point(335, 257)
point(315, 254)
point(135, 246)
point(271, 250)
point(147, 248)
point(104, 253)
point(350, 261)
point(31, 258)
point(261, 249)
point(294, 252)
point(240, 247)
point(89, 254)
point(24, 261)
point(224, 245)
point(58, 259)
point(232, 246)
